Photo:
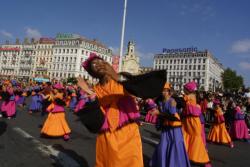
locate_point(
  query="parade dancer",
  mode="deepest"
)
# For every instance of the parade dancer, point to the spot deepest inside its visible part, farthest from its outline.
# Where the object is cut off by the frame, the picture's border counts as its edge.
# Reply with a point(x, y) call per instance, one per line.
point(8, 106)
point(36, 100)
point(171, 151)
point(239, 128)
point(73, 99)
point(47, 98)
point(56, 124)
point(114, 115)
point(21, 97)
point(218, 133)
point(192, 128)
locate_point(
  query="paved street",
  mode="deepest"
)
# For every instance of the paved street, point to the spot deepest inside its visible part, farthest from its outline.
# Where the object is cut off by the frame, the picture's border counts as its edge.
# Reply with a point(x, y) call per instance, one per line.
point(22, 146)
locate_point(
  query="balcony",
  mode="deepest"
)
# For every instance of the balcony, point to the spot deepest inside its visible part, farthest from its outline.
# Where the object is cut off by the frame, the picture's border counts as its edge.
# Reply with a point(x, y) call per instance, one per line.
point(27, 67)
point(41, 69)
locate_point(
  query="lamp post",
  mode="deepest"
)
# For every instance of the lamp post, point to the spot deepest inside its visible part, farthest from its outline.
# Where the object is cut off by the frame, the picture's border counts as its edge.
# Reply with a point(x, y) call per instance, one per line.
point(122, 35)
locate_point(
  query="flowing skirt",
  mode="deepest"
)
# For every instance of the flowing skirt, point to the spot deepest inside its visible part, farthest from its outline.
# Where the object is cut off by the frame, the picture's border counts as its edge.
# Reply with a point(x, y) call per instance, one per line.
point(9, 108)
point(121, 148)
point(20, 100)
point(219, 134)
point(56, 125)
point(195, 147)
point(171, 151)
point(239, 130)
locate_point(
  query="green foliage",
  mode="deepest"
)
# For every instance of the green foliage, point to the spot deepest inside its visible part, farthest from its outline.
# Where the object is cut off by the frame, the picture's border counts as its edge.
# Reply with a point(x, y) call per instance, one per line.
point(72, 80)
point(232, 81)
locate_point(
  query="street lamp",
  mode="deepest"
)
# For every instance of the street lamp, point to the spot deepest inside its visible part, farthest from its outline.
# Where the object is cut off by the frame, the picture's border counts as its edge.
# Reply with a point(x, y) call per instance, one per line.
point(122, 35)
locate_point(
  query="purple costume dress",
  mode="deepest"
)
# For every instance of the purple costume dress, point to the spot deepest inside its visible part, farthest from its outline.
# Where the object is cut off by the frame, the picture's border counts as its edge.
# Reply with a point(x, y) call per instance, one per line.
point(171, 151)
point(36, 103)
point(21, 97)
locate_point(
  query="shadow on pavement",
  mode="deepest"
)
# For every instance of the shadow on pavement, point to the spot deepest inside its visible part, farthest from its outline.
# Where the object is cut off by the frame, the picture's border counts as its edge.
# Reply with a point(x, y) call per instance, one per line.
point(79, 159)
point(146, 160)
point(3, 127)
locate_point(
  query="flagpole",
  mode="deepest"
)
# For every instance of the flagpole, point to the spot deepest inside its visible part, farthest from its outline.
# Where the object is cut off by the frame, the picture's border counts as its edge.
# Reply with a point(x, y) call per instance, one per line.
point(122, 35)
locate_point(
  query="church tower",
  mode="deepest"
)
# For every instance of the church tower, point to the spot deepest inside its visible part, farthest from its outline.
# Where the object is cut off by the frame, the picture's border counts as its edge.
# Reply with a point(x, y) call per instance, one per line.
point(130, 62)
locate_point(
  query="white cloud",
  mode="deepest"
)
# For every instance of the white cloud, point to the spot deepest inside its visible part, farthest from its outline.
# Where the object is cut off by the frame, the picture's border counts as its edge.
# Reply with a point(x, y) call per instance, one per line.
point(241, 46)
point(6, 34)
point(244, 65)
point(32, 33)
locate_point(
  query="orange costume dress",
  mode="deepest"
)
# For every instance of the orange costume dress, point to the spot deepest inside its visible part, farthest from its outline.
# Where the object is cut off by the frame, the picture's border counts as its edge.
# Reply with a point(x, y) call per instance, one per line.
point(56, 124)
point(218, 133)
point(119, 142)
point(192, 131)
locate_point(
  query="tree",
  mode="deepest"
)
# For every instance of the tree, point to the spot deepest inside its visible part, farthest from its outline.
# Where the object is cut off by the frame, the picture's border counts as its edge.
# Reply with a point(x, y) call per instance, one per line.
point(232, 81)
point(72, 80)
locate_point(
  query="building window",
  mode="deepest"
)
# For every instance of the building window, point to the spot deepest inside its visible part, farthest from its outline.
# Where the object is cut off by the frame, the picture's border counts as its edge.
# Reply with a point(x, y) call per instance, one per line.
point(194, 60)
point(75, 50)
point(190, 60)
point(204, 60)
point(186, 61)
point(194, 67)
point(199, 67)
point(202, 81)
point(204, 67)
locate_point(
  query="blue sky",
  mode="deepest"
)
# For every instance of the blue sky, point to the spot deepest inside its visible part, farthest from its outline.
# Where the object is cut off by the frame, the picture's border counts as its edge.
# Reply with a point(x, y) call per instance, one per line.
point(221, 26)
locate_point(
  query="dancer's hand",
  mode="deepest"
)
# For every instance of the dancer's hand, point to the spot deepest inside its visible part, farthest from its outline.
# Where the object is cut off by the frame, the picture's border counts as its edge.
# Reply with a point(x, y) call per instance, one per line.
point(83, 85)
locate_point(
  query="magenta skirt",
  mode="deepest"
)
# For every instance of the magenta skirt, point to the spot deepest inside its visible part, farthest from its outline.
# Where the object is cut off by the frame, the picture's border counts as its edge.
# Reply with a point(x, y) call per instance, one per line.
point(9, 108)
point(239, 130)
